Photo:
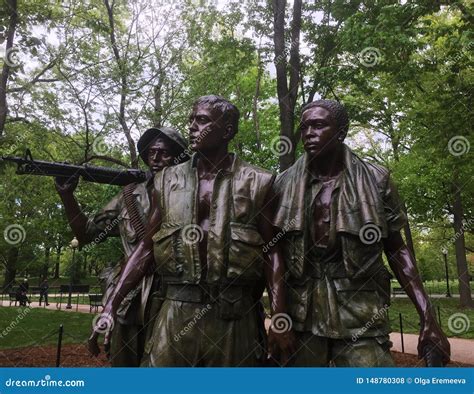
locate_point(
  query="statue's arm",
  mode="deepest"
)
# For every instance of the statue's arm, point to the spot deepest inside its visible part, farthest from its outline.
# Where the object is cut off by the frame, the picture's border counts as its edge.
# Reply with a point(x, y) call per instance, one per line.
point(76, 218)
point(102, 225)
point(138, 263)
point(134, 270)
point(281, 345)
point(403, 265)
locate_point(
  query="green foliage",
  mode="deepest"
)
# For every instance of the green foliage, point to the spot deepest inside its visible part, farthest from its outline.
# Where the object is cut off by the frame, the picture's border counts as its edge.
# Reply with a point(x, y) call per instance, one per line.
point(70, 98)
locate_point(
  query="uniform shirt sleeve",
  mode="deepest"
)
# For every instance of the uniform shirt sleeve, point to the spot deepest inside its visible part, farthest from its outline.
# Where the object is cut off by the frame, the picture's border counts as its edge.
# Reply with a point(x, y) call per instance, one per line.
point(105, 222)
point(280, 212)
point(393, 207)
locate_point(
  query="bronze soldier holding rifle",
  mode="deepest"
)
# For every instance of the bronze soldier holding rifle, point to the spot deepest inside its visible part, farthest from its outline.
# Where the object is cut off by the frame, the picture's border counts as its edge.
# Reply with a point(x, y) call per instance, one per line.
point(209, 221)
point(125, 216)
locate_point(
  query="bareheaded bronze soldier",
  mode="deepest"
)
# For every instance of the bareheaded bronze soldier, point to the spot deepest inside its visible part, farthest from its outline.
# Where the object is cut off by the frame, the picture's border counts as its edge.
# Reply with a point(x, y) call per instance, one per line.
point(125, 217)
point(210, 220)
point(338, 214)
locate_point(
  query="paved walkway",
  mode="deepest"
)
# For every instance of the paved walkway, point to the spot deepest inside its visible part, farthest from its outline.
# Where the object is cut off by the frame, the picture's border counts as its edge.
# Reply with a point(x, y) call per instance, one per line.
point(430, 295)
point(84, 308)
point(462, 350)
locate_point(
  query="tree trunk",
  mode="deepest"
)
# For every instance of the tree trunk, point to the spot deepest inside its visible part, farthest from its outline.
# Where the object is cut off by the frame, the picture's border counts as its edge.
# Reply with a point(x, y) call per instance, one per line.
point(45, 268)
point(158, 107)
point(123, 84)
point(10, 269)
point(11, 5)
point(287, 91)
point(460, 247)
point(256, 125)
point(58, 259)
point(395, 141)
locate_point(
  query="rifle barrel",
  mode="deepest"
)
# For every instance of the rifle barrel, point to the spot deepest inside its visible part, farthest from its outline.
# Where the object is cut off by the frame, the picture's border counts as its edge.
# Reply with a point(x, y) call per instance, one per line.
point(105, 175)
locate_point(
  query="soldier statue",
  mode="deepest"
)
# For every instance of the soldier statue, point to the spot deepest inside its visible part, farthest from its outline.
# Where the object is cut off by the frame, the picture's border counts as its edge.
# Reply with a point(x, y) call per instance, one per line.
point(210, 219)
point(125, 217)
point(339, 213)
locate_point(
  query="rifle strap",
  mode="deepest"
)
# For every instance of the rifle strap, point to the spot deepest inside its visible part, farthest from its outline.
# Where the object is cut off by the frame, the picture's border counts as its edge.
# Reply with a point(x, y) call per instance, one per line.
point(132, 209)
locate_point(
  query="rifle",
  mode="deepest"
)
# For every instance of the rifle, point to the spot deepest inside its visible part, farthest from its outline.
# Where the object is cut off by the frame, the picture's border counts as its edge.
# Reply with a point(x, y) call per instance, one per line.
point(110, 176)
point(432, 356)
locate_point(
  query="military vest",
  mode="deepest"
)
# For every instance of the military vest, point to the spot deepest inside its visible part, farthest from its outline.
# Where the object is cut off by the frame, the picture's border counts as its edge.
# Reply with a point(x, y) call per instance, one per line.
point(359, 278)
point(357, 211)
point(234, 249)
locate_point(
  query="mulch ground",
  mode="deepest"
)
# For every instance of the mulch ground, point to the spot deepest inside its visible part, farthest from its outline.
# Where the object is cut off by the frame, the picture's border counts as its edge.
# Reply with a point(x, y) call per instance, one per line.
point(78, 356)
point(410, 360)
point(45, 356)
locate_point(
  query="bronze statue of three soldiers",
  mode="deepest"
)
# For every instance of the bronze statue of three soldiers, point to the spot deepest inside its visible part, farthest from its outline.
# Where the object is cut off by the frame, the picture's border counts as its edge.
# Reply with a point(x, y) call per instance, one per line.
point(199, 239)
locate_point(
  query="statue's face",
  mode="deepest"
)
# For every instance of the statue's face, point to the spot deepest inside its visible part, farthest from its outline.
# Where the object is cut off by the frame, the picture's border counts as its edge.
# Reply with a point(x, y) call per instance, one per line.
point(160, 155)
point(207, 130)
point(318, 131)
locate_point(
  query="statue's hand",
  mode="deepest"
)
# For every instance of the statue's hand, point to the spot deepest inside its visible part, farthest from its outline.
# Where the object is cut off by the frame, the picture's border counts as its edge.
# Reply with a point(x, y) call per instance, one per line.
point(66, 184)
point(93, 344)
point(103, 325)
point(281, 346)
point(431, 336)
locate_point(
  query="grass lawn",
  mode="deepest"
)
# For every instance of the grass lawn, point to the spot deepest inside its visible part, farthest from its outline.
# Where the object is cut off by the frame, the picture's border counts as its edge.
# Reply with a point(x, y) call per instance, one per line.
point(447, 308)
point(28, 327)
point(439, 286)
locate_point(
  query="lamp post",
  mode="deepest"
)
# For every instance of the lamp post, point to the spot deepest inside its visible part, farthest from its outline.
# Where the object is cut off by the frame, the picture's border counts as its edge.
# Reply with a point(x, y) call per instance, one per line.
point(73, 245)
point(445, 255)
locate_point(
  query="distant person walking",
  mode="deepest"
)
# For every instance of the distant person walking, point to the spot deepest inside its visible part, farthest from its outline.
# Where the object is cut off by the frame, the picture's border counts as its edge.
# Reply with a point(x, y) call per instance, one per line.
point(22, 295)
point(44, 287)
